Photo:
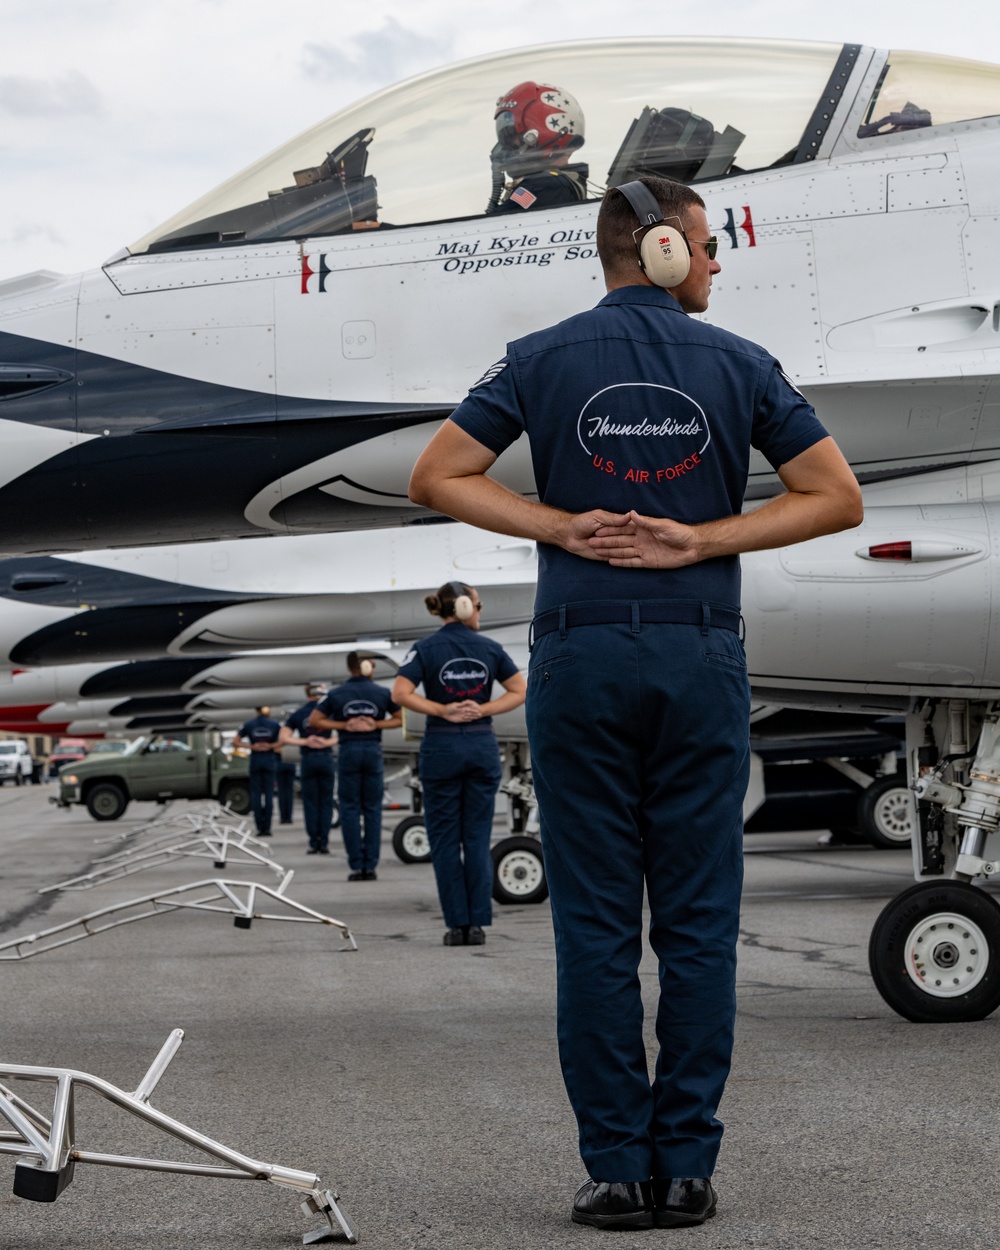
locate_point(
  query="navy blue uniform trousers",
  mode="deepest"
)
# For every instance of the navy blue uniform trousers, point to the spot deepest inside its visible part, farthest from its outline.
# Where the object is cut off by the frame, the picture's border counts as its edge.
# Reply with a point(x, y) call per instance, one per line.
point(286, 790)
point(317, 796)
point(459, 775)
point(263, 770)
point(640, 757)
point(360, 786)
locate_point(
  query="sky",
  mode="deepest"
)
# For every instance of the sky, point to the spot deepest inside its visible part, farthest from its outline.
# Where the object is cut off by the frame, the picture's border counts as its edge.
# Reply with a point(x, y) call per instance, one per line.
point(115, 114)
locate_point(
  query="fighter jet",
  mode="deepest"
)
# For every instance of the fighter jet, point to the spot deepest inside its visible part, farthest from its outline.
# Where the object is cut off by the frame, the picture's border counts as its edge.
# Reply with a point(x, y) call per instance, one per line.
point(273, 357)
point(218, 598)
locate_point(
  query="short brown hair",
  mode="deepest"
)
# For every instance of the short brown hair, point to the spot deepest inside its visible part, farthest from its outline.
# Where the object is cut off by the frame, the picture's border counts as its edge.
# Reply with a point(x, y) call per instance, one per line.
point(617, 220)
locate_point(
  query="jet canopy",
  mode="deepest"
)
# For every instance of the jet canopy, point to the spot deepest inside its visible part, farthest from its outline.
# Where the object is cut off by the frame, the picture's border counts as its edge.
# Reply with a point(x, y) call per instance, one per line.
point(689, 109)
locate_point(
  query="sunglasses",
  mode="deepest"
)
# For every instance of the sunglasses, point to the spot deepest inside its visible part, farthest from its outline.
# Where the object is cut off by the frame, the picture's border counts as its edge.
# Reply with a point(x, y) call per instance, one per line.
point(711, 245)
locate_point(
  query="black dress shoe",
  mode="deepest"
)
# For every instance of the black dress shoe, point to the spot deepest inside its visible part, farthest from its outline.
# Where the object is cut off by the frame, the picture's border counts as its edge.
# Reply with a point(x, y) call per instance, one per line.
point(369, 874)
point(313, 850)
point(613, 1204)
point(324, 850)
point(355, 876)
point(476, 936)
point(682, 1200)
point(454, 937)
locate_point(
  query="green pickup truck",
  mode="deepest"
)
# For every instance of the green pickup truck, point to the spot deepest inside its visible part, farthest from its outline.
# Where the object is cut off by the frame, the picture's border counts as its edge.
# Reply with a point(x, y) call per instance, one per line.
point(185, 765)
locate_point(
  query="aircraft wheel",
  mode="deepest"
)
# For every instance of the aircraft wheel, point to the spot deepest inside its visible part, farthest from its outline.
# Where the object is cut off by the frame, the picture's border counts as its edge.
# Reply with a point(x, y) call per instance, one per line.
point(885, 813)
point(335, 818)
point(410, 841)
point(106, 801)
point(236, 796)
point(934, 953)
point(518, 871)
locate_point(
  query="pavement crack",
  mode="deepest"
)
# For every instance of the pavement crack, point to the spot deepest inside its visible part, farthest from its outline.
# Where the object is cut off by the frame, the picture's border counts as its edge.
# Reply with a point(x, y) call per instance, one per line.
point(820, 954)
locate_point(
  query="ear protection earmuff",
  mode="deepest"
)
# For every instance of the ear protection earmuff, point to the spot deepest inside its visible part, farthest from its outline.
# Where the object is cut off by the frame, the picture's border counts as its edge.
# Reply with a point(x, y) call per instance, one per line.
point(367, 668)
point(664, 252)
point(464, 607)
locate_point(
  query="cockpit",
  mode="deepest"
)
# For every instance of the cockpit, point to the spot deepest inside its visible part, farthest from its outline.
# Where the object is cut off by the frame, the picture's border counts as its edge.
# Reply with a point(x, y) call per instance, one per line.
point(688, 109)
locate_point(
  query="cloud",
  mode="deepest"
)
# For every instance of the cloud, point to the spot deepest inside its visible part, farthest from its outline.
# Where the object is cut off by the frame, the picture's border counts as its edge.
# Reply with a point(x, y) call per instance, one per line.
point(28, 232)
point(381, 56)
point(70, 95)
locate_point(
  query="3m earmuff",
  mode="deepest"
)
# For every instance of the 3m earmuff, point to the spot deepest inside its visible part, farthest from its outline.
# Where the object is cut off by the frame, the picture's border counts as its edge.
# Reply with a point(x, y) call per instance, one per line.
point(464, 607)
point(664, 252)
point(367, 668)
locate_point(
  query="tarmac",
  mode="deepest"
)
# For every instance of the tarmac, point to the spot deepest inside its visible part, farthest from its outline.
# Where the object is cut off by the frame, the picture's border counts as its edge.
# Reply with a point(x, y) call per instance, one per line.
point(422, 1082)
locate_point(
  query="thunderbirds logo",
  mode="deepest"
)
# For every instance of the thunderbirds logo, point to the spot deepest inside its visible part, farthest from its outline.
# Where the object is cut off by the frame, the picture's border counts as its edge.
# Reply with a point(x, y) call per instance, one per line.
point(464, 677)
point(643, 433)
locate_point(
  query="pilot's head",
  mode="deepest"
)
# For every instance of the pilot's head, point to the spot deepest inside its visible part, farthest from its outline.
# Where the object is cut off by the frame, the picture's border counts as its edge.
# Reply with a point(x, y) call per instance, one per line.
point(538, 126)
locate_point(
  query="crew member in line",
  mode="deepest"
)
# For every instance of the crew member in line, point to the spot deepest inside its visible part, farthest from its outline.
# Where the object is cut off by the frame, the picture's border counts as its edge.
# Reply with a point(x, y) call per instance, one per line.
point(261, 736)
point(640, 419)
point(459, 759)
point(359, 710)
point(317, 771)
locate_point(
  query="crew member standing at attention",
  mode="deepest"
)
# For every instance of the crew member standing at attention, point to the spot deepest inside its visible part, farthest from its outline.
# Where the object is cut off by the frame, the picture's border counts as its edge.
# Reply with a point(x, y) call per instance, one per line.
point(359, 710)
point(316, 765)
point(641, 419)
point(459, 759)
point(261, 736)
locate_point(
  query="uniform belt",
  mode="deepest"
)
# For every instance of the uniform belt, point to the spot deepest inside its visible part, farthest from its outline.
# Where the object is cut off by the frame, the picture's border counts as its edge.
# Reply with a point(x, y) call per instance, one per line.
point(636, 613)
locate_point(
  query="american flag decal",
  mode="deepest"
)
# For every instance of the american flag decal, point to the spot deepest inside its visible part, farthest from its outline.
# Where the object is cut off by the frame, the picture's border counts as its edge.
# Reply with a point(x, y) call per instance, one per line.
point(523, 197)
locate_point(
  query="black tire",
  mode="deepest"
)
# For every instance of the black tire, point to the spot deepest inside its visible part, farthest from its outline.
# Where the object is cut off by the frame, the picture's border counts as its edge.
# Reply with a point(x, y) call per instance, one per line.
point(236, 796)
point(106, 801)
point(335, 819)
point(410, 841)
point(519, 871)
point(934, 953)
point(885, 814)
point(18, 779)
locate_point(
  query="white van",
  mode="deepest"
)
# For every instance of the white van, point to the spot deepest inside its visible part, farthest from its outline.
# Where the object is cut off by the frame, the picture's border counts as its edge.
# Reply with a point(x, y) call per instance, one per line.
point(15, 761)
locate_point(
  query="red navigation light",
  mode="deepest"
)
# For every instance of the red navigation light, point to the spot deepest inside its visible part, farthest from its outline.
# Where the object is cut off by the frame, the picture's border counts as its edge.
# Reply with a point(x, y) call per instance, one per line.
point(891, 551)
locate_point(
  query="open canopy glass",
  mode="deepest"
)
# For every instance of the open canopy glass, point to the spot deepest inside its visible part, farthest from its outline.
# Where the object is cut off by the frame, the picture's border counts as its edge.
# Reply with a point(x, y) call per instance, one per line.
point(691, 109)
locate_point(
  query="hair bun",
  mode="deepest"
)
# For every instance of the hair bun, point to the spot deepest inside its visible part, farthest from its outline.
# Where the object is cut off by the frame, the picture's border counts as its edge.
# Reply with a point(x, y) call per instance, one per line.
point(433, 604)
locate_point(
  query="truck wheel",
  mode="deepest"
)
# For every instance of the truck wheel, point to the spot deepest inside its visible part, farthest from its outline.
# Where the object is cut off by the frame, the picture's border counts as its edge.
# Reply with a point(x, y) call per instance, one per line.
point(934, 953)
point(18, 779)
point(518, 871)
point(106, 801)
point(410, 841)
point(236, 796)
point(885, 813)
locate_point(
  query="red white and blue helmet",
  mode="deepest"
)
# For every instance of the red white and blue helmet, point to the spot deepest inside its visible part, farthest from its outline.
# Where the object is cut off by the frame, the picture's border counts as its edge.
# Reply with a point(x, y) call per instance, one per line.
point(538, 117)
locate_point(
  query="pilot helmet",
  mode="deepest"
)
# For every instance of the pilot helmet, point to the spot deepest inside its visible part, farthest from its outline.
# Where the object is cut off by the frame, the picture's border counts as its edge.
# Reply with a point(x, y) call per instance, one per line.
point(534, 119)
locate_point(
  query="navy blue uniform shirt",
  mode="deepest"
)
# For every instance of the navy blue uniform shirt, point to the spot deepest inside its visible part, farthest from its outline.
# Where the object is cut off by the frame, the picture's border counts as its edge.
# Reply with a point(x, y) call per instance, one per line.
point(260, 729)
point(633, 404)
point(298, 723)
point(454, 664)
point(358, 696)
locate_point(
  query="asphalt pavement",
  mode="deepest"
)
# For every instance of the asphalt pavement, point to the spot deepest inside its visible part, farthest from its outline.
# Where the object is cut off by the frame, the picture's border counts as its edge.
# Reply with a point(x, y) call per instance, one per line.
point(422, 1082)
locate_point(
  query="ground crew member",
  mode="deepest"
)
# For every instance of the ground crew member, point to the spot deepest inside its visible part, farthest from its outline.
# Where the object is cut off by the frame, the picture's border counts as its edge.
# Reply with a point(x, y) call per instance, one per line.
point(359, 710)
point(316, 765)
point(641, 420)
point(459, 760)
point(261, 736)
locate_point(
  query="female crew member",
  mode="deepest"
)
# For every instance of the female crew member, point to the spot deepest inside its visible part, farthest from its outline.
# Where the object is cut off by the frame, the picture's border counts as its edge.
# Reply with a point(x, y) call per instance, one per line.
point(459, 760)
